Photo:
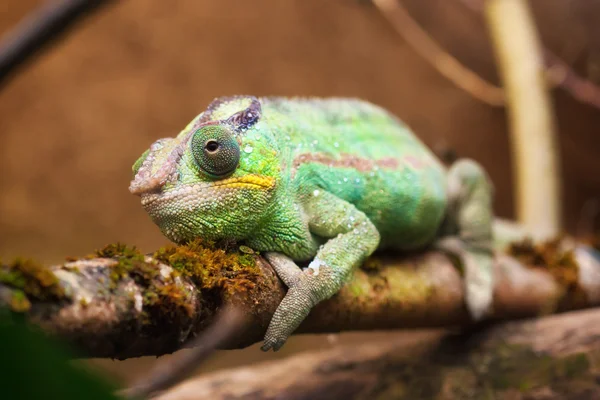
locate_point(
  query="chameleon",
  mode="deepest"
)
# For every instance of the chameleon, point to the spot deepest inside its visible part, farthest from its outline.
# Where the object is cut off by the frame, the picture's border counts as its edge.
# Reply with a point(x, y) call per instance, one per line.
point(319, 182)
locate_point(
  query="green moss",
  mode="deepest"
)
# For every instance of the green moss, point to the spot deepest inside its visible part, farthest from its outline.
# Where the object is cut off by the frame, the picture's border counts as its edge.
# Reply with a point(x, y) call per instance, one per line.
point(164, 301)
point(13, 278)
point(208, 265)
point(408, 287)
point(130, 263)
point(372, 264)
point(549, 256)
point(19, 301)
point(119, 250)
point(212, 267)
point(359, 288)
point(31, 281)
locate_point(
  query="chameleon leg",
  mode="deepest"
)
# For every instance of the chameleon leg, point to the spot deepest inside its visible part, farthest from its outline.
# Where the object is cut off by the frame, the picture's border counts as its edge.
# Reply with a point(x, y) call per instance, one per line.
point(286, 269)
point(353, 237)
point(469, 225)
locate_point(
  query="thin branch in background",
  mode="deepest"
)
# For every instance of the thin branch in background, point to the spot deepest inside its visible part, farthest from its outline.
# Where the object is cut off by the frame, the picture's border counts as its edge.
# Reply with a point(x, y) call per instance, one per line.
point(533, 135)
point(40, 29)
point(558, 72)
point(563, 76)
point(442, 61)
point(168, 374)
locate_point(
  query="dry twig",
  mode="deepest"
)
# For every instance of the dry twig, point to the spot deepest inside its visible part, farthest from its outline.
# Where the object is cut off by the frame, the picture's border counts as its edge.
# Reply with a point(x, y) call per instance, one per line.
point(557, 72)
point(442, 61)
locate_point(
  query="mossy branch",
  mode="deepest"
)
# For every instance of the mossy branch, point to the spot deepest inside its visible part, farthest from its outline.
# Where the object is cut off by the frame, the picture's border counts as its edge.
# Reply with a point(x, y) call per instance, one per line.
point(551, 358)
point(120, 303)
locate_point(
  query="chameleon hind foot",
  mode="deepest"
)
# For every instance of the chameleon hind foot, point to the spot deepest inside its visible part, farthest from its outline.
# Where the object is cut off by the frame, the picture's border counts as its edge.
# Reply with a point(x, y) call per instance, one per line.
point(467, 233)
point(477, 266)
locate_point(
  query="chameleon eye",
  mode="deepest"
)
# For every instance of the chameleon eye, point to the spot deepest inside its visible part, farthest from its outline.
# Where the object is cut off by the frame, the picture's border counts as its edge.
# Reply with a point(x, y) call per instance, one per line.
point(212, 146)
point(215, 150)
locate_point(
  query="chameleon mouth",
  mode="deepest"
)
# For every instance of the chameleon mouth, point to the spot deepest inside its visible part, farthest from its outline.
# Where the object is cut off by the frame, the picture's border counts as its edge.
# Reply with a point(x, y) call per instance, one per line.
point(192, 195)
point(251, 181)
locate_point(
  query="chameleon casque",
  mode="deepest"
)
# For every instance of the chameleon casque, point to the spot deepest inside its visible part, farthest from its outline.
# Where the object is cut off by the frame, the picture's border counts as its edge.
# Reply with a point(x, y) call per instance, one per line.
point(322, 181)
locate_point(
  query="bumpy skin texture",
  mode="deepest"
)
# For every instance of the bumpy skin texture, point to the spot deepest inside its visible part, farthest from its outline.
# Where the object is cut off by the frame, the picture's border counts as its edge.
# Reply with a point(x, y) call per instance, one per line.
point(322, 180)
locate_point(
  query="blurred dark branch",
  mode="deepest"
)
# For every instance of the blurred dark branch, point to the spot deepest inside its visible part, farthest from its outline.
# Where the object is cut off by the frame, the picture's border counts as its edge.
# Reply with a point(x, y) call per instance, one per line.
point(168, 374)
point(40, 29)
point(549, 358)
point(123, 304)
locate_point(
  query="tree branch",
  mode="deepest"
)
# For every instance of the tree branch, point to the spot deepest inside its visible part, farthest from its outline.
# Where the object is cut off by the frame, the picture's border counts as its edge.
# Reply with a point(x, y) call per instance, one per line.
point(119, 303)
point(447, 65)
point(549, 358)
point(40, 29)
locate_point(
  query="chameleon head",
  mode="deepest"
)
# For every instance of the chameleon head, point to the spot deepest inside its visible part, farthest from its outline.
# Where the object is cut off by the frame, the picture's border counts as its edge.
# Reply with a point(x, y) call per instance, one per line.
point(201, 184)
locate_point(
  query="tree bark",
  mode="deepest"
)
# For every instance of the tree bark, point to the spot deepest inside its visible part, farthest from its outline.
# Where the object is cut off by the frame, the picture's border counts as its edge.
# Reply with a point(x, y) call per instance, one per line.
point(551, 358)
point(119, 303)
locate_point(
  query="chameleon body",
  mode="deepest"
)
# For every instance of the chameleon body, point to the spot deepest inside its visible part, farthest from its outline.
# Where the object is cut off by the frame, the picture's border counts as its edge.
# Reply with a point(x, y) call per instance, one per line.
point(322, 181)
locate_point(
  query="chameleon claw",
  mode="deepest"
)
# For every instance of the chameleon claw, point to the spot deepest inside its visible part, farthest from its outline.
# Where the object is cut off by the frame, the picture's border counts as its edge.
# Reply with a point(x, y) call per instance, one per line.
point(274, 344)
point(266, 347)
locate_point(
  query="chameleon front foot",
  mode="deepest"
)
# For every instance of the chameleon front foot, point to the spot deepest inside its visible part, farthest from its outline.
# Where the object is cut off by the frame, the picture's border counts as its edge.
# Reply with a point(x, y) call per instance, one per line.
point(305, 289)
point(292, 310)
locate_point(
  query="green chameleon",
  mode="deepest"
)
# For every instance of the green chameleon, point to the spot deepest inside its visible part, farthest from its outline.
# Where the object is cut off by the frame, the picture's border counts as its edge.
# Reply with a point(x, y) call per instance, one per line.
point(322, 180)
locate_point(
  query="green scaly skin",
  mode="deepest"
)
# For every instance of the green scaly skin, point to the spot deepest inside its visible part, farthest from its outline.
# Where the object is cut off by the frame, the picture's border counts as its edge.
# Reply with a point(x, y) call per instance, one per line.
point(325, 181)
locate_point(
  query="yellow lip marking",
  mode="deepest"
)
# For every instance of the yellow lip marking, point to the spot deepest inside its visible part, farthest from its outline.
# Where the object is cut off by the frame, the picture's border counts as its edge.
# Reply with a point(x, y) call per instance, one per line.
point(265, 182)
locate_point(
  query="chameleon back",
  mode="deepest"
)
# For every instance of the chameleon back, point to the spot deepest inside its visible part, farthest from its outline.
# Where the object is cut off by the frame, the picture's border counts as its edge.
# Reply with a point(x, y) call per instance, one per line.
point(366, 156)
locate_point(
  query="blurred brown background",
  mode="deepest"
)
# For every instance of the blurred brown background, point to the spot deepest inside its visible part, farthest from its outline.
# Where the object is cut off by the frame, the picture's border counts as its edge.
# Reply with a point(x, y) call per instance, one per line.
point(73, 122)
